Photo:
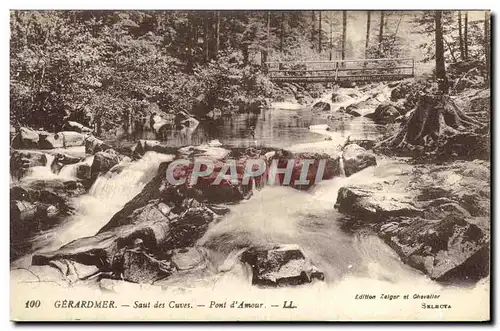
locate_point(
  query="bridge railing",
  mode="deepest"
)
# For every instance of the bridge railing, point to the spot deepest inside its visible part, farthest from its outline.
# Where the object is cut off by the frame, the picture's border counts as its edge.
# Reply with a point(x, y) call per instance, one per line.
point(338, 70)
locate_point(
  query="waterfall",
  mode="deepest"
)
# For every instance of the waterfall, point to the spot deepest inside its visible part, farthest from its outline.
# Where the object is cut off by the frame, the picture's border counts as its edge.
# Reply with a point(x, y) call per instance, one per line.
point(341, 166)
point(50, 160)
point(41, 172)
point(283, 215)
point(109, 193)
point(121, 186)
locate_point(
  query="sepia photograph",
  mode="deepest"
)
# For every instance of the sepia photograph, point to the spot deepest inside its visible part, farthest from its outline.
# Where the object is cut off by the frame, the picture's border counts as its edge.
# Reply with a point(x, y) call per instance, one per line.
point(250, 165)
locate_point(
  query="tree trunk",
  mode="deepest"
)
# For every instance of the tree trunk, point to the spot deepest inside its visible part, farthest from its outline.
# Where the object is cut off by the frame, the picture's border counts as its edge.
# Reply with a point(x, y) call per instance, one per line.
point(331, 37)
point(190, 42)
point(265, 53)
point(397, 27)
point(367, 41)
point(282, 30)
point(206, 38)
point(344, 34)
point(246, 53)
point(466, 37)
point(217, 33)
point(268, 46)
point(440, 68)
point(313, 29)
point(319, 34)
point(381, 33)
point(487, 44)
point(439, 127)
point(460, 37)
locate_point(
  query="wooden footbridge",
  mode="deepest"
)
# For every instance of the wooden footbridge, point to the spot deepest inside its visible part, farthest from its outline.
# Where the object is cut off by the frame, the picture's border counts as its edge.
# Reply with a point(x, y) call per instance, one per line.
point(362, 70)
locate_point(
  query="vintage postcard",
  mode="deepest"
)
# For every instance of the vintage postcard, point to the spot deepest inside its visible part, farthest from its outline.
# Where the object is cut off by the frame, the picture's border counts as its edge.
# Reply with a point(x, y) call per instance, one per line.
point(250, 165)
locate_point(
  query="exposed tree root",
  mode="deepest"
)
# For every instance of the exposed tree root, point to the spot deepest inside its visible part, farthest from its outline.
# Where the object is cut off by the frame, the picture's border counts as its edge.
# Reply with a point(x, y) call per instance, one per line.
point(440, 129)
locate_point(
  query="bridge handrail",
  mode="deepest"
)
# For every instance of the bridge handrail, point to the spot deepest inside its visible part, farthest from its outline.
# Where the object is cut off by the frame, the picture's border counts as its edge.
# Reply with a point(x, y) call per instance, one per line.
point(346, 61)
point(341, 69)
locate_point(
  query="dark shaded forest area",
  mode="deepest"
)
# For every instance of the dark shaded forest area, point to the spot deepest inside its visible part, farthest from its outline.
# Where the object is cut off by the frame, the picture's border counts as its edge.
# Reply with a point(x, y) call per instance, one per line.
point(114, 70)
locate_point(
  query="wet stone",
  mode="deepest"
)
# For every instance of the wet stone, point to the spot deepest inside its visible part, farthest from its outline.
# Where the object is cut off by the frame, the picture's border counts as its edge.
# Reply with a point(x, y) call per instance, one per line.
point(139, 267)
point(280, 265)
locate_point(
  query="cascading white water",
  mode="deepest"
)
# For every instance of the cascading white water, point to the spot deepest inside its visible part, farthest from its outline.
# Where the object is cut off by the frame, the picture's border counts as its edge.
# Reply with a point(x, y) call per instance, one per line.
point(41, 172)
point(119, 186)
point(341, 166)
point(287, 216)
point(50, 160)
point(109, 193)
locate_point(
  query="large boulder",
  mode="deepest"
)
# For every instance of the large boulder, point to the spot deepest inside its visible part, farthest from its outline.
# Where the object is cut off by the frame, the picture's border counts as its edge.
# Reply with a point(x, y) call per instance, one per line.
point(373, 203)
point(66, 159)
point(454, 248)
point(347, 84)
point(38, 206)
point(222, 159)
point(209, 150)
point(436, 217)
point(321, 105)
point(134, 244)
point(25, 138)
point(51, 191)
point(356, 158)
point(62, 139)
point(22, 210)
point(104, 161)
point(62, 159)
point(72, 138)
point(409, 91)
point(385, 113)
point(51, 141)
point(403, 89)
point(144, 146)
point(331, 162)
point(280, 265)
point(97, 250)
point(136, 266)
point(21, 161)
point(77, 127)
point(364, 107)
point(84, 172)
point(352, 110)
point(94, 145)
point(340, 98)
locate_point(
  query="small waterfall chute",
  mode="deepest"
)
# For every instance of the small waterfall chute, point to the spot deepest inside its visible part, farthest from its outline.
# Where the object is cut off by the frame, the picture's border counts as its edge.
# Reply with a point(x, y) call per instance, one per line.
point(341, 166)
point(41, 172)
point(125, 184)
point(109, 193)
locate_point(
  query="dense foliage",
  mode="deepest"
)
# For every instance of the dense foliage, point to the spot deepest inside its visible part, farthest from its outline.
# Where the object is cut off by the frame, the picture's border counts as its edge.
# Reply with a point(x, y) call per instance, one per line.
point(103, 67)
point(110, 69)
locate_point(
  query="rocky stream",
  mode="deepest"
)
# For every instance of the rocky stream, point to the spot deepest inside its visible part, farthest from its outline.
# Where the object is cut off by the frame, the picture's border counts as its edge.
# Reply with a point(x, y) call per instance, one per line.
point(90, 213)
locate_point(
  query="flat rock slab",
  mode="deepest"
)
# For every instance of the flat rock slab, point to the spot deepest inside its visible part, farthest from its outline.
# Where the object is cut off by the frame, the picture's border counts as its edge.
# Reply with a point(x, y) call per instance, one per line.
point(436, 217)
point(444, 249)
point(138, 267)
